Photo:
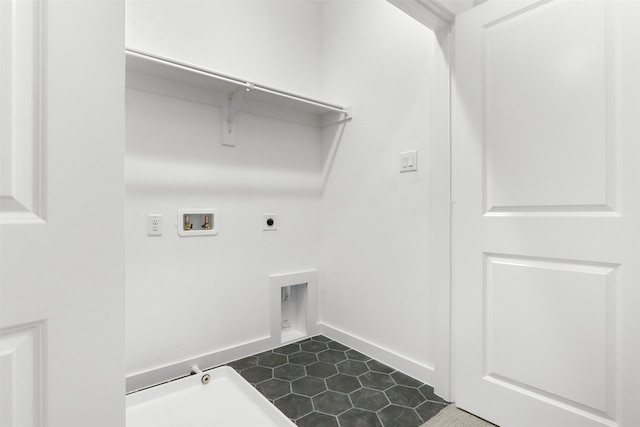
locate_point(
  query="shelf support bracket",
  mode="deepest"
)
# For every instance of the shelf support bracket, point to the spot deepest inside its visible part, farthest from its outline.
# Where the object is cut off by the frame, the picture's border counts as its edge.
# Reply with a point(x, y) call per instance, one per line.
point(229, 116)
point(337, 118)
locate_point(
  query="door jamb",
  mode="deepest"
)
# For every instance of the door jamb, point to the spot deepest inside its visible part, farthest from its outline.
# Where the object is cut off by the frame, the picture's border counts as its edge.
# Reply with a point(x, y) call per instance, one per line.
point(437, 17)
point(441, 214)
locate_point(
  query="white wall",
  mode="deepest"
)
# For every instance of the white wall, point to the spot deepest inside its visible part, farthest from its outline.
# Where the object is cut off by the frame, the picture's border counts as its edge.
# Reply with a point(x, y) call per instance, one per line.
point(273, 42)
point(68, 271)
point(194, 296)
point(375, 244)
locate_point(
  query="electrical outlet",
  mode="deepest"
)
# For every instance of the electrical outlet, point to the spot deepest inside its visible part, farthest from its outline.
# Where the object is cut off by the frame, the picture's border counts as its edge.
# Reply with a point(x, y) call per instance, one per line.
point(154, 225)
point(269, 222)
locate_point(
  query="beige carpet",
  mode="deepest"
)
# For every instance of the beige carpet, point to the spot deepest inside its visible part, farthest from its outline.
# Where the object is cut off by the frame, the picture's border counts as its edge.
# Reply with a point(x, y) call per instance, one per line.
point(451, 416)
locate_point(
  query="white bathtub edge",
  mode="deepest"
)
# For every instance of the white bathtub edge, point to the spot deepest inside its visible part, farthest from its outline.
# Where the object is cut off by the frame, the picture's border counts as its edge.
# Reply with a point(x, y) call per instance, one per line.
point(172, 390)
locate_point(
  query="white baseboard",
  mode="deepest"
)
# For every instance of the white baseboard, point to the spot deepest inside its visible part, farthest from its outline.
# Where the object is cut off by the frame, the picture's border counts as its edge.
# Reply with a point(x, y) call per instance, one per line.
point(410, 367)
point(152, 377)
point(166, 373)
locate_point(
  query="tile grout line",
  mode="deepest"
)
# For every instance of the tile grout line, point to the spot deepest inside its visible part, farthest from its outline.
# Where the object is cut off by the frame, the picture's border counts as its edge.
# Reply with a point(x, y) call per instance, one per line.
point(322, 359)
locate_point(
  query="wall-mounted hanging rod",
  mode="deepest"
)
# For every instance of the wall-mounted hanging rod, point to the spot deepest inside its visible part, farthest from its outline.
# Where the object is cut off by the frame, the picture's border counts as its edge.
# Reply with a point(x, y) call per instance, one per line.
point(187, 67)
point(301, 99)
point(235, 81)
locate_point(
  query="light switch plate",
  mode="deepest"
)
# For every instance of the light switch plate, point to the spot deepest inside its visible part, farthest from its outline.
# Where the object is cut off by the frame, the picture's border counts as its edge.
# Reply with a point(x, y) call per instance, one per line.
point(409, 161)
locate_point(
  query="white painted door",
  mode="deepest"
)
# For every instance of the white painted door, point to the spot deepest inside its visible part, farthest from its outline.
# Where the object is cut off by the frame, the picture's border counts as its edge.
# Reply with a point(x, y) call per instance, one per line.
point(546, 190)
point(62, 213)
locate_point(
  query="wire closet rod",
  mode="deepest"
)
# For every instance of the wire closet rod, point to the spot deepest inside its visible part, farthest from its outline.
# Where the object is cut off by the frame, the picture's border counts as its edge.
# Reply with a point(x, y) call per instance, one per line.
point(233, 80)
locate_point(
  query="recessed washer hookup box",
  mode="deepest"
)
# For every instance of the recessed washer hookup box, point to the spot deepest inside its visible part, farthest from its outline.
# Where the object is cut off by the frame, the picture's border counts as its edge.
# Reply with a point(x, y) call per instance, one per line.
point(198, 222)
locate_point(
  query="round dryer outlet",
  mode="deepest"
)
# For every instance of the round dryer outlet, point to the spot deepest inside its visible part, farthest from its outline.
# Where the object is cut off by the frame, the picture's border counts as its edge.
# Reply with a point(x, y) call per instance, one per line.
point(269, 222)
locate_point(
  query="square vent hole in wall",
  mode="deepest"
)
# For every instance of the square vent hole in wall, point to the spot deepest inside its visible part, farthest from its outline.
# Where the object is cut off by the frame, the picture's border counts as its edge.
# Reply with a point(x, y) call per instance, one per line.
point(293, 308)
point(293, 312)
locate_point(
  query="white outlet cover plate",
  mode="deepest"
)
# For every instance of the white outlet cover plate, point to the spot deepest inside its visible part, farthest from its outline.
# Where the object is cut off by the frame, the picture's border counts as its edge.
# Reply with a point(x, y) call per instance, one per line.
point(154, 225)
point(265, 218)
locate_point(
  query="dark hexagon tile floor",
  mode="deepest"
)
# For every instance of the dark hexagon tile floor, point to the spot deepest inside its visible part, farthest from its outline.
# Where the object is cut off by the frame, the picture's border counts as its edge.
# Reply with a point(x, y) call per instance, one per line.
point(319, 382)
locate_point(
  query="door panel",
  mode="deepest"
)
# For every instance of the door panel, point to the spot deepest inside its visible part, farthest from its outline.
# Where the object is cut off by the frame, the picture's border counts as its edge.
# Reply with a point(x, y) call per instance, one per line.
point(545, 228)
point(545, 80)
point(21, 385)
point(517, 293)
point(62, 269)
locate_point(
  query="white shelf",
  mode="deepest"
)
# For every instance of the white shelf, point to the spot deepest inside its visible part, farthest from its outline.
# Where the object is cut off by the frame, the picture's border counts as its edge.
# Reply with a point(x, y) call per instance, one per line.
point(171, 69)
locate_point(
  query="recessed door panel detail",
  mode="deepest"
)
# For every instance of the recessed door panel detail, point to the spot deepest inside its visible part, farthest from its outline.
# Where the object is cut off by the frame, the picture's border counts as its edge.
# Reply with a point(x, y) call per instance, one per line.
point(547, 128)
point(21, 371)
point(549, 328)
point(22, 192)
